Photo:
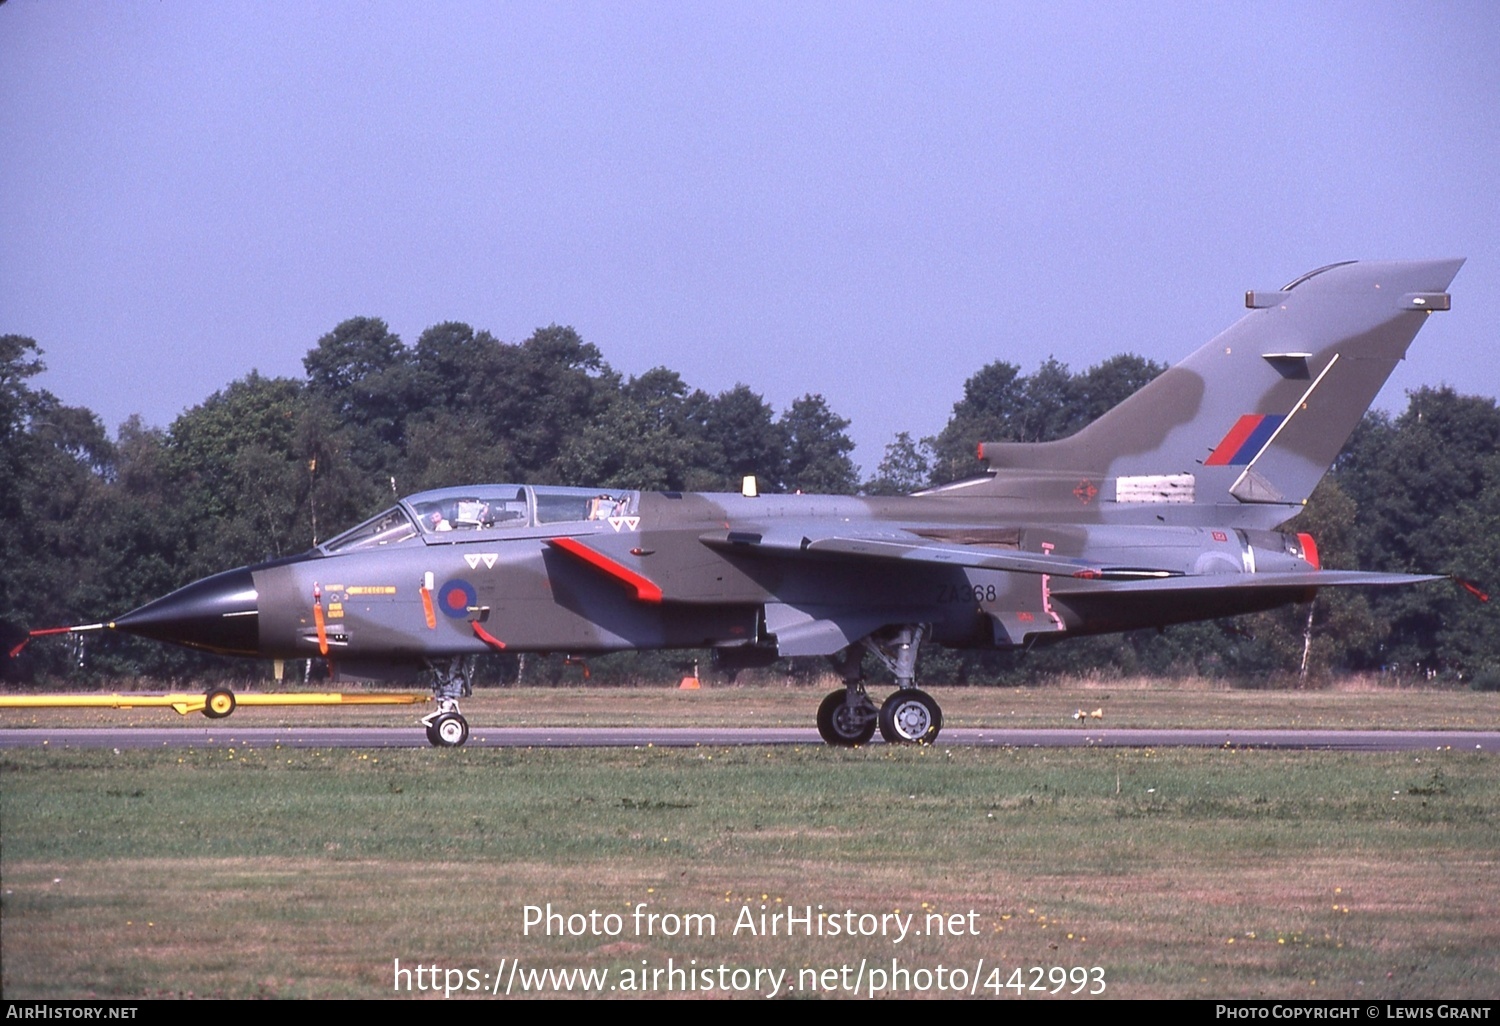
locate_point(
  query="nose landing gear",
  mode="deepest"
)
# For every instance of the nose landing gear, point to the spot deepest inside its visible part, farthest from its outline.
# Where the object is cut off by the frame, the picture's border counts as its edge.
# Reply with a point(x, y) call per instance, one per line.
point(446, 727)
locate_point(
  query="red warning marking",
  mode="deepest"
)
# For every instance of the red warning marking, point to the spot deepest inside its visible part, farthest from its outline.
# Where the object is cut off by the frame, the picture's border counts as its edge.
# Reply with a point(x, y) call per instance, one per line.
point(1085, 491)
point(1473, 589)
point(37, 634)
point(486, 637)
point(1310, 550)
point(322, 628)
point(645, 590)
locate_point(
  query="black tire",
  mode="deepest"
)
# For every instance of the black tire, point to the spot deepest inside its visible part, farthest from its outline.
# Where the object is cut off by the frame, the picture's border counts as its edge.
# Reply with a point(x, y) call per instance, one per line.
point(450, 730)
point(432, 736)
point(841, 726)
point(218, 703)
point(910, 716)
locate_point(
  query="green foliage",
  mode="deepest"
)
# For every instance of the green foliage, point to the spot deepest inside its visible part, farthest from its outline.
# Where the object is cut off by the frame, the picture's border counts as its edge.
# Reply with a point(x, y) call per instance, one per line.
point(906, 467)
point(816, 449)
point(644, 439)
point(56, 463)
point(1002, 405)
point(362, 371)
point(543, 392)
point(1313, 640)
point(740, 439)
point(1427, 485)
point(239, 477)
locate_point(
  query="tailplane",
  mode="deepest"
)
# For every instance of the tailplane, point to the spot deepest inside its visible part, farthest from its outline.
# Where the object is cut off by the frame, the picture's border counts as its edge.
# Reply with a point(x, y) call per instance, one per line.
point(1254, 419)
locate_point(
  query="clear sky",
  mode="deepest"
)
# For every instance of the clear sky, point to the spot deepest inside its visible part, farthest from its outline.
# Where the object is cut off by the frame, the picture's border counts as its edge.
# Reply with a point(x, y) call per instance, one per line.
point(865, 200)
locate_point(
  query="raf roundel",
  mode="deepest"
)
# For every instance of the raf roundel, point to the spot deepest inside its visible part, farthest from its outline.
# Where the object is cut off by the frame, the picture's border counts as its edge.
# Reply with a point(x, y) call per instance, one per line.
point(456, 597)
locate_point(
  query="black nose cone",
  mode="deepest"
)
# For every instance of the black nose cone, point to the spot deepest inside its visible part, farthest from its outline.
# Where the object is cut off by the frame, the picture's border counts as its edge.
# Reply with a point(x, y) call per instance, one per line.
point(219, 613)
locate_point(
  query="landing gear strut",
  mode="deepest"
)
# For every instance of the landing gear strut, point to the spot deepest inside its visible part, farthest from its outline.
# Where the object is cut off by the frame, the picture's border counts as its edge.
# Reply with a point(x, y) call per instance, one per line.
point(847, 718)
point(446, 727)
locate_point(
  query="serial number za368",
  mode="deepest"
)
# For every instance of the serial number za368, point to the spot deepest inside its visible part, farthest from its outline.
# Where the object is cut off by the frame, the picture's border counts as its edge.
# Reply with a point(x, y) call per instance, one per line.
point(1080, 980)
point(967, 593)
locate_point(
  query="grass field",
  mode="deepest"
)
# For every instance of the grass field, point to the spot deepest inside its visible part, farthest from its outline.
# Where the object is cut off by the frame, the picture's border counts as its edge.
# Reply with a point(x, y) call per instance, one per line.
point(1218, 873)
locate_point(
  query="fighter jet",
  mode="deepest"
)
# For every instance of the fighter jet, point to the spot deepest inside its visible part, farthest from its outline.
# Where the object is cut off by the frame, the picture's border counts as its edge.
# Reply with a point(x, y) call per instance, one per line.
point(1166, 509)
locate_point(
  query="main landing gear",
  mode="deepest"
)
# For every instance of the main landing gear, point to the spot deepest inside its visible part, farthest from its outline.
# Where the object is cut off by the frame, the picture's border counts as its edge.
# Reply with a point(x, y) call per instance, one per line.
point(910, 716)
point(446, 727)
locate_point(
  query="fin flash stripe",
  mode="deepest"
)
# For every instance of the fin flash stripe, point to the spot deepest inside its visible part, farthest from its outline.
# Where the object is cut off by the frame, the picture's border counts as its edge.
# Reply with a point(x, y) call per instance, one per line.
point(1245, 440)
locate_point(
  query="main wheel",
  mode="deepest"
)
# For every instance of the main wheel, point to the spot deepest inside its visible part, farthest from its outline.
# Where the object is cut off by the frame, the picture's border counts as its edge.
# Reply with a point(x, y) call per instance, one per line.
point(432, 735)
point(449, 730)
point(219, 703)
point(841, 725)
point(910, 717)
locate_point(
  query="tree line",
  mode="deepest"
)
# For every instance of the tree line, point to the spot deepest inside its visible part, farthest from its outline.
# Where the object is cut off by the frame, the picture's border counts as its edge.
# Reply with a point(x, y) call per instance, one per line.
point(268, 467)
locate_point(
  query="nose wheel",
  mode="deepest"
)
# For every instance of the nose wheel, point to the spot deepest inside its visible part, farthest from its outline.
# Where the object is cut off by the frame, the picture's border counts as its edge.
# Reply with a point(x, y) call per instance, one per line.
point(447, 727)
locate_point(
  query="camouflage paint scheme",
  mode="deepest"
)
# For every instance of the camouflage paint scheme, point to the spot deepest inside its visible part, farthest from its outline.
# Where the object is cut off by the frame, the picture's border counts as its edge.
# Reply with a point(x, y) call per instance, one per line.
point(1164, 510)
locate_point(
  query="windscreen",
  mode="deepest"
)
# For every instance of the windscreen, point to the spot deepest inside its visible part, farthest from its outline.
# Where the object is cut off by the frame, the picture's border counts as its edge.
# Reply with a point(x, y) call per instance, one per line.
point(389, 528)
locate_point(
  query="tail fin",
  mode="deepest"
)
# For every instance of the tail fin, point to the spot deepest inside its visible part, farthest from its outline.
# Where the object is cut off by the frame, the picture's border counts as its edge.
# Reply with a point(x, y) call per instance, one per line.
point(1256, 417)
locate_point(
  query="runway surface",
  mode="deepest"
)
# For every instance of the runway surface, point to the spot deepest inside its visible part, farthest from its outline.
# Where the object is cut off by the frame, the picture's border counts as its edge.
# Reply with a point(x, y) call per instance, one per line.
point(224, 735)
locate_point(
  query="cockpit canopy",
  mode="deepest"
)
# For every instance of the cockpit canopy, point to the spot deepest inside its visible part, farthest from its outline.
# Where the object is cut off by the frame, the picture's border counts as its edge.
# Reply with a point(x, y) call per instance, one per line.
point(433, 516)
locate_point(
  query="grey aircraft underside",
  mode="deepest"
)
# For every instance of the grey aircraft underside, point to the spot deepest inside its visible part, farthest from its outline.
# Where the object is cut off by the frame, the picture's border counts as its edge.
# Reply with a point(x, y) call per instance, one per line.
point(1164, 510)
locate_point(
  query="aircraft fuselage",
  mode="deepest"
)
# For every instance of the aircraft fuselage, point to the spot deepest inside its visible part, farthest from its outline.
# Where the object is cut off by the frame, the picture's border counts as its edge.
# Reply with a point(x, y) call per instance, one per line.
point(684, 570)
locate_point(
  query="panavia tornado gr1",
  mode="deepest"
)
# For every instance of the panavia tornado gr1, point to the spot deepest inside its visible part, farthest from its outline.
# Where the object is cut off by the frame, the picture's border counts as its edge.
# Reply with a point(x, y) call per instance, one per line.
point(1166, 509)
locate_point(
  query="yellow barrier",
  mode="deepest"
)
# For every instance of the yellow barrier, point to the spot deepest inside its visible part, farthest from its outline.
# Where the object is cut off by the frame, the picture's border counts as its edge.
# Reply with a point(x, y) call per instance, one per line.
point(217, 703)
